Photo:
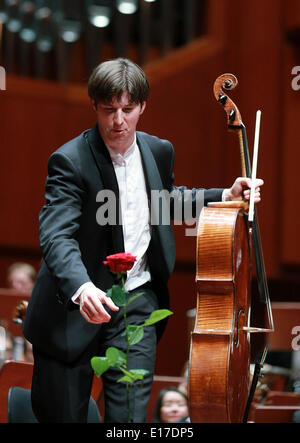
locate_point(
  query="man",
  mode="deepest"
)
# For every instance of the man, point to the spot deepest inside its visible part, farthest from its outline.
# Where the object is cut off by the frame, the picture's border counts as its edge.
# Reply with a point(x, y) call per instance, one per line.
point(21, 276)
point(70, 319)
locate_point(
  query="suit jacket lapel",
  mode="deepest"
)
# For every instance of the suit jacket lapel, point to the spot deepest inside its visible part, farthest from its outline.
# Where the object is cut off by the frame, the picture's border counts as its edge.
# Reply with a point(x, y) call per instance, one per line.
point(162, 246)
point(153, 179)
point(107, 172)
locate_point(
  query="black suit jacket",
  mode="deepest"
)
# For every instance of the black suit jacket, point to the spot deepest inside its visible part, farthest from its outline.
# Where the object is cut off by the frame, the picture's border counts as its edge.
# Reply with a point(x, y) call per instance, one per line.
point(74, 245)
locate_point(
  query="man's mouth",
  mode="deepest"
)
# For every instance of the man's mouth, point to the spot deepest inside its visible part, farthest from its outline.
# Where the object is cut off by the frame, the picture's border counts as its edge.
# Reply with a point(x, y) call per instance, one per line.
point(119, 131)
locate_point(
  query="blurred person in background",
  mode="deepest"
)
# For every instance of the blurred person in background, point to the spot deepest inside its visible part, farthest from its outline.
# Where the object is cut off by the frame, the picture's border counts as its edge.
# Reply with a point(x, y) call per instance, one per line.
point(171, 406)
point(21, 277)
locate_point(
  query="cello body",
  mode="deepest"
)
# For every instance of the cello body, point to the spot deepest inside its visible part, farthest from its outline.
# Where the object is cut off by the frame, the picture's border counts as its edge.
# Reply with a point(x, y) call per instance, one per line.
point(220, 344)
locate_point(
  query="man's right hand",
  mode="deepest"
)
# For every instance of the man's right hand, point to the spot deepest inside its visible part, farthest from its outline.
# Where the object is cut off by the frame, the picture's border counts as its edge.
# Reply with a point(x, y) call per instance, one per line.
point(91, 301)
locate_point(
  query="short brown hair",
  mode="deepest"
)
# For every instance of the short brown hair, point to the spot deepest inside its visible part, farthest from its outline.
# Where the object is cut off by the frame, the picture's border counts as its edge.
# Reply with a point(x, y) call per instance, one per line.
point(114, 77)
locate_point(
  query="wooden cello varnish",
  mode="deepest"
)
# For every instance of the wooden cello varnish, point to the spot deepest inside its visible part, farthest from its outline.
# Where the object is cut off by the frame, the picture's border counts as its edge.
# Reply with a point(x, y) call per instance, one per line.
point(219, 354)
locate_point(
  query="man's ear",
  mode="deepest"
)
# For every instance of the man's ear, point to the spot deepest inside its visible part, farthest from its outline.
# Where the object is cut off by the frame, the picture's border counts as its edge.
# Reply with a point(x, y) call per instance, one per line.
point(143, 106)
point(94, 104)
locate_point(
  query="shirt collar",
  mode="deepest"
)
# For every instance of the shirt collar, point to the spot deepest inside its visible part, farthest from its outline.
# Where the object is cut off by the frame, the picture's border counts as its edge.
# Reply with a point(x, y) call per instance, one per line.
point(119, 158)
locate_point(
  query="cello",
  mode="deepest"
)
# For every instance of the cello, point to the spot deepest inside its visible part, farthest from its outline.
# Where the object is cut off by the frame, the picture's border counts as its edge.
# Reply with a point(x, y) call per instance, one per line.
point(219, 387)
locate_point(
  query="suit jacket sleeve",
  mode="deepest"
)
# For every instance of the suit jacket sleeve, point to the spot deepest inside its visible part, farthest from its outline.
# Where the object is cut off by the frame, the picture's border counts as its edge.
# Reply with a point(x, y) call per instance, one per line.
point(195, 197)
point(59, 222)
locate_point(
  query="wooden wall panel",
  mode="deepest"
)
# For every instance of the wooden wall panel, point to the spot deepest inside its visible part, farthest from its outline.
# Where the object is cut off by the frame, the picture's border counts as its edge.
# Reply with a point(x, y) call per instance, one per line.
point(290, 156)
point(36, 118)
point(291, 14)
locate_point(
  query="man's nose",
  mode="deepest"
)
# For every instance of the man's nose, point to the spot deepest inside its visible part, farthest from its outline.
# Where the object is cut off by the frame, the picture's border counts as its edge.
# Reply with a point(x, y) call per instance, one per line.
point(118, 117)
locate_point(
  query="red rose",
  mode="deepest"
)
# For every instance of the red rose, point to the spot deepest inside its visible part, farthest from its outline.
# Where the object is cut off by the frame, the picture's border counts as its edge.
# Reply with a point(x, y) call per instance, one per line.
point(120, 262)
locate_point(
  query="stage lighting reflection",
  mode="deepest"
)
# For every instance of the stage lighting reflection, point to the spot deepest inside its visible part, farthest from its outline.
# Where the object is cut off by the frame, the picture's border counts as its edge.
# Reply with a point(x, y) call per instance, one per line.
point(99, 16)
point(127, 6)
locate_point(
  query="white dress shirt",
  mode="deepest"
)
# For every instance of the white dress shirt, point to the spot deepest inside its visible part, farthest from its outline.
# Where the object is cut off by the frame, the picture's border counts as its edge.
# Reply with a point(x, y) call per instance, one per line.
point(135, 214)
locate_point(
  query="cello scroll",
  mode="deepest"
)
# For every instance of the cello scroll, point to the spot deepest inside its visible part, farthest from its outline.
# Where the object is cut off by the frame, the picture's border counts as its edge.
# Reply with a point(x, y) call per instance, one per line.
point(228, 82)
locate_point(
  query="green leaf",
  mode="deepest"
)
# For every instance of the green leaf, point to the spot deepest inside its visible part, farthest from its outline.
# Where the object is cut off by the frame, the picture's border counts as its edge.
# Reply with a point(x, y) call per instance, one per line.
point(135, 334)
point(114, 356)
point(118, 295)
point(129, 329)
point(132, 375)
point(125, 378)
point(129, 377)
point(99, 365)
point(109, 293)
point(139, 372)
point(157, 316)
point(134, 297)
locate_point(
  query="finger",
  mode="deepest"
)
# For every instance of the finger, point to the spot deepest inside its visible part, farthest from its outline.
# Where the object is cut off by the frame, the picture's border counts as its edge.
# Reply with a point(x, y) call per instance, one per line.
point(247, 194)
point(89, 310)
point(257, 197)
point(259, 182)
point(99, 312)
point(88, 318)
point(86, 315)
point(97, 318)
point(248, 191)
point(108, 301)
point(93, 310)
point(245, 181)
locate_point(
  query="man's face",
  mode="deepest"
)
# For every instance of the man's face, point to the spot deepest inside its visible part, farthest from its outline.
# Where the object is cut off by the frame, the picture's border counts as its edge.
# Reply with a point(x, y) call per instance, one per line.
point(20, 281)
point(118, 120)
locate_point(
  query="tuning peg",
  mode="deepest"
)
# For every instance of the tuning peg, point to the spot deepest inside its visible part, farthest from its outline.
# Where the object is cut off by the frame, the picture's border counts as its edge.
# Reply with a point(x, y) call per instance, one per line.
point(232, 115)
point(222, 99)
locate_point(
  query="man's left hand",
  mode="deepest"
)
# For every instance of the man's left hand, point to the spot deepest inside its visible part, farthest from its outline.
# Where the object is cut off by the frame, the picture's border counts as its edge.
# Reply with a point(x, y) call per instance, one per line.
point(241, 189)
